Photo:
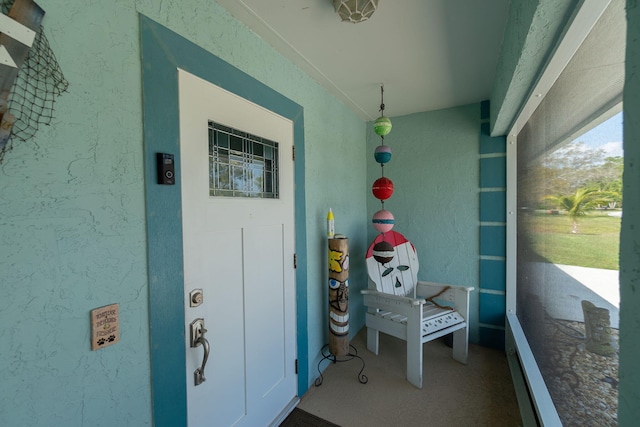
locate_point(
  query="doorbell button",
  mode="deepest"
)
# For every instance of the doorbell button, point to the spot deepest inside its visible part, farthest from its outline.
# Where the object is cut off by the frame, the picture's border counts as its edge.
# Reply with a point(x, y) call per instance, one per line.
point(166, 173)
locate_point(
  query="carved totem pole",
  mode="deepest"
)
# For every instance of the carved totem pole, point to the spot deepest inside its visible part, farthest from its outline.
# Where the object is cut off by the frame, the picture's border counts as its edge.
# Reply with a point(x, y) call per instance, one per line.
point(339, 296)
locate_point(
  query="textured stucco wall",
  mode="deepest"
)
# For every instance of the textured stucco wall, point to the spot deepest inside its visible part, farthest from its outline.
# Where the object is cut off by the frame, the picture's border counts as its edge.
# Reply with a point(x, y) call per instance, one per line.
point(629, 391)
point(72, 210)
point(72, 232)
point(435, 172)
point(533, 29)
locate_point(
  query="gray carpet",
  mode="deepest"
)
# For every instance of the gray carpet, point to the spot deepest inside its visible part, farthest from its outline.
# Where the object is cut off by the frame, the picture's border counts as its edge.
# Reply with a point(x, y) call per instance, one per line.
point(478, 394)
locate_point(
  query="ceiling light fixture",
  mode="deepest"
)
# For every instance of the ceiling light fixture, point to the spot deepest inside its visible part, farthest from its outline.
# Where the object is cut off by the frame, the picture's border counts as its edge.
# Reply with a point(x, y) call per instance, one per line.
point(355, 11)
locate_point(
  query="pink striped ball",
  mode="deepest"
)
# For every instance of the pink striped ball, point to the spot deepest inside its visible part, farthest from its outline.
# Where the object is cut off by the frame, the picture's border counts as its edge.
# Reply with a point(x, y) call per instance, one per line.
point(383, 221)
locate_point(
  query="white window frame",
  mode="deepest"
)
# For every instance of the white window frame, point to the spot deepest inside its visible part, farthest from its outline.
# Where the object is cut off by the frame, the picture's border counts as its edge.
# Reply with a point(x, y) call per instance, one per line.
point(518, 349)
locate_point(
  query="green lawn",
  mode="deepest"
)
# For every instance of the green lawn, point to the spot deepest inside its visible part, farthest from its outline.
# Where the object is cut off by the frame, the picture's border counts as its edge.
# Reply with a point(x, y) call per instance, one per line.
point(596, 245)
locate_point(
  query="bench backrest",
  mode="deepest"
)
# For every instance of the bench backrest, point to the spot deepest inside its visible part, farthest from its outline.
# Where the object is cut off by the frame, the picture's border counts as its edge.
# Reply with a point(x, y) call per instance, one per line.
point(392, 264)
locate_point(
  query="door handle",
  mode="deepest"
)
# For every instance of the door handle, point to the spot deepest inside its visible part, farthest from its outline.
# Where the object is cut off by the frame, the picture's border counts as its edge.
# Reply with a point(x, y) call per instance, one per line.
point(198, 330)
point(198, 374)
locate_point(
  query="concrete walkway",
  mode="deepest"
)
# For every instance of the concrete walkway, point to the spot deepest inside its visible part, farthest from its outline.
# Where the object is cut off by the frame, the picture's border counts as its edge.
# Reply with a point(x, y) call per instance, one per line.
point(567, 285)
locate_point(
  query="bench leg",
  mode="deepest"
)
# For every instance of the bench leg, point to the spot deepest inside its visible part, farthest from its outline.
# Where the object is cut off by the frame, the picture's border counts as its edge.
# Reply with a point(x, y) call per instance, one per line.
point(414, 353)
point(414, 363)
point(461, 345)
point(373, 340)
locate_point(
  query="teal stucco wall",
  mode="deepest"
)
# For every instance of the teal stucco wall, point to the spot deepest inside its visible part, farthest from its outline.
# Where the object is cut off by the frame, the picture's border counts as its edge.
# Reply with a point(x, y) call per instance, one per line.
point(629, 391)
point(533, 29)
point(73, 216)
point(435, 171)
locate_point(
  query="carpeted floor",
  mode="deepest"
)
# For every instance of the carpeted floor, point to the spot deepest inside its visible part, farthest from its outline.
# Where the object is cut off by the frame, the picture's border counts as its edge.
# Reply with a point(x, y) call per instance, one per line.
point(300, 418)
point(477, 394)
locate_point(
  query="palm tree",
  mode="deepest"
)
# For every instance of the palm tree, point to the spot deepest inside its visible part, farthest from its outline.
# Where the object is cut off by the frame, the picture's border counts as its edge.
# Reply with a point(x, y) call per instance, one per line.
point(579, 202)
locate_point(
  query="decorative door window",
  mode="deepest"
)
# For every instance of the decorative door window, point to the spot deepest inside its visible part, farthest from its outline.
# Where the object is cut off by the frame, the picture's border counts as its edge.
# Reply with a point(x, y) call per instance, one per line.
point(241, 164)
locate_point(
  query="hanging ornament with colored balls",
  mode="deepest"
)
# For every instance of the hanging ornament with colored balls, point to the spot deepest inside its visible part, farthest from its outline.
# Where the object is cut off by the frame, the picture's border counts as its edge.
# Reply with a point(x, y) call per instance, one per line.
point(382, 154)
point(382, 188)
point(383, 221)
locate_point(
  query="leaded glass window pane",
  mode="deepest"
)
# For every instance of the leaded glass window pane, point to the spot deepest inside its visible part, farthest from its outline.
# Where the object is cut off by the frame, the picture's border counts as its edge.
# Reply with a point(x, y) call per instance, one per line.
point(241, 164)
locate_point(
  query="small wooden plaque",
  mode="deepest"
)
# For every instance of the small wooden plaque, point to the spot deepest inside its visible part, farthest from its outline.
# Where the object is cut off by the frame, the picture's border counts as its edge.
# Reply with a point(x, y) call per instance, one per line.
point(105, 326)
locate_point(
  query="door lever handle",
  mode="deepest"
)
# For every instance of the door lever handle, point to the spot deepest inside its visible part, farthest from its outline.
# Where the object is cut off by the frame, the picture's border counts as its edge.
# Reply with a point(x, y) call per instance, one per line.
point(198, 374)
point(197, 331)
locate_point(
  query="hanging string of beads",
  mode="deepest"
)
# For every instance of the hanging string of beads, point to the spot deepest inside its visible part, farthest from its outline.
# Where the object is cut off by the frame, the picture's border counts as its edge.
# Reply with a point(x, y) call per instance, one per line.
point(382, 188)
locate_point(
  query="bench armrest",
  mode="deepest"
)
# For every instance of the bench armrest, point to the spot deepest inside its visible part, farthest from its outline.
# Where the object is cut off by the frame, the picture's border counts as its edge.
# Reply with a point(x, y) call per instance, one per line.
point(456, 294)
point(429, 289)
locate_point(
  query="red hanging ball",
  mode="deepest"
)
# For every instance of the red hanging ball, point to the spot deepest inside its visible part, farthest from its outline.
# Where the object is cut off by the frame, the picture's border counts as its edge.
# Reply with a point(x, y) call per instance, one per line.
point(382, 188)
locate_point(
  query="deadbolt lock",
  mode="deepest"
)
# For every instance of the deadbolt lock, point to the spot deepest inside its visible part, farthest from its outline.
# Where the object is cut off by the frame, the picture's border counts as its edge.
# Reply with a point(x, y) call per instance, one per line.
point(195, 297)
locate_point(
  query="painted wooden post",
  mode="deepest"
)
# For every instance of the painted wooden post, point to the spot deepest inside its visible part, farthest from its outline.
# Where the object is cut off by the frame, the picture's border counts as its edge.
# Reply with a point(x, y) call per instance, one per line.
point(339, 296)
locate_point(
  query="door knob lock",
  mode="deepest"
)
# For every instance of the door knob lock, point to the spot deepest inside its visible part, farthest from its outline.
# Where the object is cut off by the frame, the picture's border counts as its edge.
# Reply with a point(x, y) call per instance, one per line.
point(197, 330)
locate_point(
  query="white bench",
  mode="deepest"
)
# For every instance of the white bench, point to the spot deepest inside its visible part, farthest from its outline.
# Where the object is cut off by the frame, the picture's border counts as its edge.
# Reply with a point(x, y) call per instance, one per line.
point(411, 310)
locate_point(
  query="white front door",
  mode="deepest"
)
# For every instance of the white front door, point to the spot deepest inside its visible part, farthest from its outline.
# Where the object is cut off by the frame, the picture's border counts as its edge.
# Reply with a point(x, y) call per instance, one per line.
point(239, 251)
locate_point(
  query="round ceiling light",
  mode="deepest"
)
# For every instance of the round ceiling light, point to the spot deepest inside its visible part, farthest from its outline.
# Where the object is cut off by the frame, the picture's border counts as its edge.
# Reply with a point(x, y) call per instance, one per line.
point(355, 10)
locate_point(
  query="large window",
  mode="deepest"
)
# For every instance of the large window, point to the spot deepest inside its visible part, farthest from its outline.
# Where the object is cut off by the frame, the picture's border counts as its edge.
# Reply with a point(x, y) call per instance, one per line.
point(569, 199)
point(568, 291)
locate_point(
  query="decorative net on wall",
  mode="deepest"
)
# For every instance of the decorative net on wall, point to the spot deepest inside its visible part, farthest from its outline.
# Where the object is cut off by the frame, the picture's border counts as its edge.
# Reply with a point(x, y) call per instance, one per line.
point(32, 97)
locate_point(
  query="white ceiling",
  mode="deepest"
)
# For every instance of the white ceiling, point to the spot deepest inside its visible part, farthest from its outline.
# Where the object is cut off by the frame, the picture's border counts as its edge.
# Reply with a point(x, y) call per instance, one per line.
point(429, 54)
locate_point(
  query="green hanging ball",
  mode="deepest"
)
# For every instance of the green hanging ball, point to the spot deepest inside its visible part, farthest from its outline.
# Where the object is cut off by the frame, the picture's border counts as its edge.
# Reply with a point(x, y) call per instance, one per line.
point(382, 126)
